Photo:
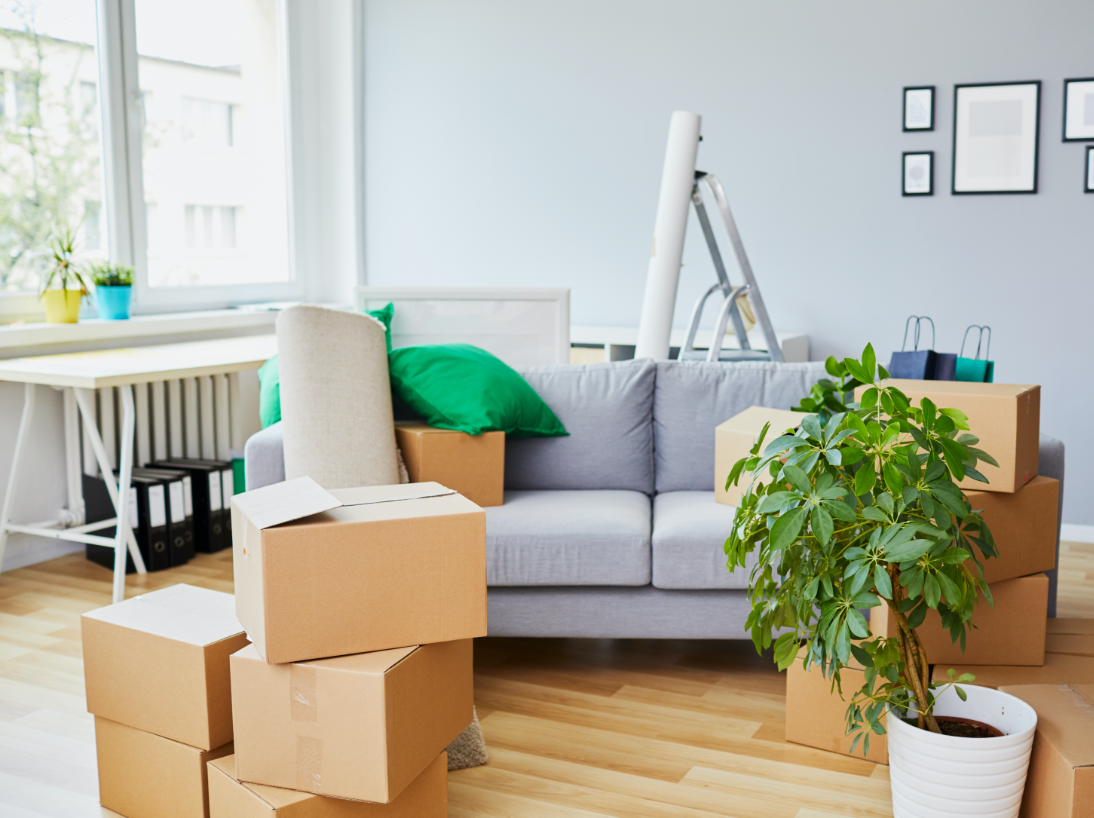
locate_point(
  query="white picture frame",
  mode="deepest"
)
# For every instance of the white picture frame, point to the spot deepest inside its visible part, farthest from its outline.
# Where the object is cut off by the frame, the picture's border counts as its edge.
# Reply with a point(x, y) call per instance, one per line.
point(996, 127)
point(1079, 110)
point(919, 108)
point(918, 173)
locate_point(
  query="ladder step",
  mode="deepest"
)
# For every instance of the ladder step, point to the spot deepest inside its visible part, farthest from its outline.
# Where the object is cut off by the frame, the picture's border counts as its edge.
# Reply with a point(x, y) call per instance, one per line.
point(727, 355)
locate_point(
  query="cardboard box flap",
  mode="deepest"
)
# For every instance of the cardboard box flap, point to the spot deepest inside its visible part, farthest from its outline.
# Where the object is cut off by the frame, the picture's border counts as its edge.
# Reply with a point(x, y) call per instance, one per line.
point(284, 502)
point(368, 495)
point(183, 613)
point(273, 797)
point(1065, 718)
point(971, 388)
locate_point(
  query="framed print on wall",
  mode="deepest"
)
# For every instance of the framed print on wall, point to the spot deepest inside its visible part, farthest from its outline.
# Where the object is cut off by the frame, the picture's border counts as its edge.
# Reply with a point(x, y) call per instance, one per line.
point(919, 173)
point(1079, 110)
point(919, 108)
point(995, 132)
point(1089, 186)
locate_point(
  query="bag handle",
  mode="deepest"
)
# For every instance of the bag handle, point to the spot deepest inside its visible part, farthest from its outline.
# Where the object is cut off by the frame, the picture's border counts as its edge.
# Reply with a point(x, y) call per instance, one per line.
point(979, 340)
point(915, 335)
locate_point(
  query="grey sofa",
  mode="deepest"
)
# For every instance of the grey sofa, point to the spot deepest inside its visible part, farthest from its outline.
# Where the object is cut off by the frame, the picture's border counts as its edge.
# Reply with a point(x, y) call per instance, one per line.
point(614, 531)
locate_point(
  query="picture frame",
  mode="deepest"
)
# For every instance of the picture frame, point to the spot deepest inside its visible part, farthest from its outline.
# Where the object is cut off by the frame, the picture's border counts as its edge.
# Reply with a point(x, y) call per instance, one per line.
point(996, 131)
point(1079, 110)
point(919, 108)
point(918, 173)
point(1088, 186)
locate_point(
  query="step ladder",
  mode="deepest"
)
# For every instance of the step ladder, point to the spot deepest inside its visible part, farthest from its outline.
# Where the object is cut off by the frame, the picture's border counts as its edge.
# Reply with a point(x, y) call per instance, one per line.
point(730, 310)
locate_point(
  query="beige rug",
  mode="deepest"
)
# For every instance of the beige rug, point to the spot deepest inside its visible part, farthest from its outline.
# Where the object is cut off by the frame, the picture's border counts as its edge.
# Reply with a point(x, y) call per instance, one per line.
point(469, 748)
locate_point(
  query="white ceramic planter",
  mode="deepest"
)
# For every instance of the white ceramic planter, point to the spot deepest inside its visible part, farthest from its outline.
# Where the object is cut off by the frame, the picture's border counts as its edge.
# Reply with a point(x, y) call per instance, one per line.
point(937, 776)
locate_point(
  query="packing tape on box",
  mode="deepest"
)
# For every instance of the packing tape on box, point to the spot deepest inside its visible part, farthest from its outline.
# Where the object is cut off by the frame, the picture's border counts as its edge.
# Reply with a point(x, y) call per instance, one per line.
point(422, 496)
point(302, 693)
point(309, 764)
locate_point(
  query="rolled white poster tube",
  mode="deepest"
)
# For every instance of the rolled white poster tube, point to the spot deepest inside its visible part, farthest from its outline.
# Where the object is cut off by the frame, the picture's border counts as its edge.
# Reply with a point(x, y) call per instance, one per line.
point(677, 180)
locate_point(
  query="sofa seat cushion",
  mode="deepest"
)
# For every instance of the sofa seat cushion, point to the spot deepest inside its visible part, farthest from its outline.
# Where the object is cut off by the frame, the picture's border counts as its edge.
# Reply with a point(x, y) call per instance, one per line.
point(592, 537)
point(689, 534)
point(608, 410)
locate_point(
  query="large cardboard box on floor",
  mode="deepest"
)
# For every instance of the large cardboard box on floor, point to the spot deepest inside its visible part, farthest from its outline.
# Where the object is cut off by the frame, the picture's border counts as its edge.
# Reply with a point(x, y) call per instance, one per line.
point(816, 715)
point(159, 662)
point(1070, 663)
point(425, 797)
point(1009, 632)
point(735, 438)
point(142, 775)
point(1006, 417)
point(1023, 525)
point(1060, 783)
point(473, 465)
point(321, 573)
point(360, 727)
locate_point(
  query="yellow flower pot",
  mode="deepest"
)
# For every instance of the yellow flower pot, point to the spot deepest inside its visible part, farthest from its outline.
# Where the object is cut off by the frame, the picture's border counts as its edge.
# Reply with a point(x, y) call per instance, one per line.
point(62, 306)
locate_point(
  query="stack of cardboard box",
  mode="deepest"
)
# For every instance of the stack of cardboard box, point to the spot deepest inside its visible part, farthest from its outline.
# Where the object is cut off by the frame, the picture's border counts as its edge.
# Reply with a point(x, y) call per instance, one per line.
point(361, 605)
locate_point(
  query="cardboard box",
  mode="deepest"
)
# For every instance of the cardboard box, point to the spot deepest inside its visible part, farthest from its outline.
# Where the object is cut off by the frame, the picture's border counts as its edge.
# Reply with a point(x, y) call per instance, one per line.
point(1058, 669)
point(816, 716)
point(473, 465)
point(1072, 644)
point(360, 727)
point(142, 775)
point(426, 797)
point(1006, 417)
point(736, 437)
point(1010, 632)
point(159, 662)
point(321, 573)
point(1024, 527)
point(1070, 626)
point(1060, 783)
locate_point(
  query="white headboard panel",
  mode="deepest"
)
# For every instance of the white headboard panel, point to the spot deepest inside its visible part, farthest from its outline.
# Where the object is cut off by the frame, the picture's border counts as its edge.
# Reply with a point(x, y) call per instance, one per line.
point(521, 325)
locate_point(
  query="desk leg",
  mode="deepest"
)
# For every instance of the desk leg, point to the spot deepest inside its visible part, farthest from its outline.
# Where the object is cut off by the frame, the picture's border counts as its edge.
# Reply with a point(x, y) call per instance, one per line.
point(84, 399)
point(125, 477)
point(20, 441)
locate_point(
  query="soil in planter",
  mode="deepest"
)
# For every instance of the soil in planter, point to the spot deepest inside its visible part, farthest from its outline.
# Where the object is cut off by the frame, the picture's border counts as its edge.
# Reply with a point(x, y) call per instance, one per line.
point(966, 728)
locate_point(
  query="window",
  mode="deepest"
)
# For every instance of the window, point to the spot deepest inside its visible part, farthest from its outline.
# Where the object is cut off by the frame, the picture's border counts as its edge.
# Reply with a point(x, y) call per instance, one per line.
point(52, 163)
point(195, 197)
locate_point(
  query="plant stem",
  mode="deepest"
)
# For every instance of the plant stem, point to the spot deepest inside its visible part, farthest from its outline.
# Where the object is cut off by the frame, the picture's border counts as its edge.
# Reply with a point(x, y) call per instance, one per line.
point(916, 669)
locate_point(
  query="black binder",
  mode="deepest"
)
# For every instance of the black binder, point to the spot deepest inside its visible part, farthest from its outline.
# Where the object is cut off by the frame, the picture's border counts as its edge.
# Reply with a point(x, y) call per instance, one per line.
point(180, 516)
point(211, 532)
point(147, 518)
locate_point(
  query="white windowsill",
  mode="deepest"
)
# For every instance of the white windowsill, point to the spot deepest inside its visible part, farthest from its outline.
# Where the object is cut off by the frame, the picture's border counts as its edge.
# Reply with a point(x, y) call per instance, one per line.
point(42, 338)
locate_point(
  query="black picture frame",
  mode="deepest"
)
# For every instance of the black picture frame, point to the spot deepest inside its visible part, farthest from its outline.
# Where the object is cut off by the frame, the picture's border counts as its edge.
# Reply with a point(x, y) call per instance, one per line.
point(1088, 175)
point(904, 108)
point(904, 174)
point(1067, 138)
point(1036, 139)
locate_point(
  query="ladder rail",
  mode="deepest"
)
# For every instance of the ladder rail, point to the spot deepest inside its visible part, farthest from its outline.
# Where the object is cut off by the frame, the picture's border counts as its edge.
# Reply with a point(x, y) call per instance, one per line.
point(719, 265)
point(762, 318)
point(729, 307)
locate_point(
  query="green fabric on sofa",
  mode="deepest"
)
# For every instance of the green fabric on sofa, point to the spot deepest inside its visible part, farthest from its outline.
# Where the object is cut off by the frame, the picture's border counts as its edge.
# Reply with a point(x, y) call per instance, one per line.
point(269, 377)
point(462, 387)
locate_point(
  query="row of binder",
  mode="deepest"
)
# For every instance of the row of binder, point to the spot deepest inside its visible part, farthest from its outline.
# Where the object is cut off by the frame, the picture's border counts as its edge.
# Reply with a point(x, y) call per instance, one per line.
point(177, 507)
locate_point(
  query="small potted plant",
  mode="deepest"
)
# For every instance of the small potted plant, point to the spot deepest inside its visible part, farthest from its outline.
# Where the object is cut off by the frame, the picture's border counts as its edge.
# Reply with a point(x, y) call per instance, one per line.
point(859, 507)
point(63, 286)
point(113, 289)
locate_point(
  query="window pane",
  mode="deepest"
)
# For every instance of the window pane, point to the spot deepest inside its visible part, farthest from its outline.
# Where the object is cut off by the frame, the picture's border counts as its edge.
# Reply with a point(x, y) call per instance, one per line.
point(50, 148)
point(214, 143)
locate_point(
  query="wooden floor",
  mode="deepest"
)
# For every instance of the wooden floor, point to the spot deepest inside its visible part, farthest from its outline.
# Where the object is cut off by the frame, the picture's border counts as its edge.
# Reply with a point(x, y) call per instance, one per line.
point(665, 729)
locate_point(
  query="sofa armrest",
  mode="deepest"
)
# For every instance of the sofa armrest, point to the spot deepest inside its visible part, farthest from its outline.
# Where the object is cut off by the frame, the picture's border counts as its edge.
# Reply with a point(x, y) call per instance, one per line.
point(264, 458)
point(1051, 464)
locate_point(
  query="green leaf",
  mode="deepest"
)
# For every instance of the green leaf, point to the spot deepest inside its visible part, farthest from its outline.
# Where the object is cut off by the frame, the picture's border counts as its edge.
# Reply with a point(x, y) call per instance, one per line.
point(787, 528)
point(735, 473)
point(843, 643)
point(883, 373)
point(858, 371)
point(961, 694)
point(841, 510)
point(857, 624)
point(822, 524)
point(949, 590)
point(932, 591)
point(798, 479)
point(776, 502)
point(786, 650)
point(954, 456)
point(874, 513)
point(882, 582)
point(893, 479)
point(869, 398)
point(869, 362)
point(886, 502)
point(833, 456)
point(849, 455)
point(832, 367)
point(865, 478)
point(980, 454)
point(911, 550)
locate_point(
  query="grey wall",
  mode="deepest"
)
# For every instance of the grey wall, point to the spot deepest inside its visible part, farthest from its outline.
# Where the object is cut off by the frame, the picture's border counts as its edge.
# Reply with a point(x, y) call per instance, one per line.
point(520, 143)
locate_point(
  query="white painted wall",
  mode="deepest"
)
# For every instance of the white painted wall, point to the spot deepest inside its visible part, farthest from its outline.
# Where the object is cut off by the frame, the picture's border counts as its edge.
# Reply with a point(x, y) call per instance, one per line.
point(520, 143)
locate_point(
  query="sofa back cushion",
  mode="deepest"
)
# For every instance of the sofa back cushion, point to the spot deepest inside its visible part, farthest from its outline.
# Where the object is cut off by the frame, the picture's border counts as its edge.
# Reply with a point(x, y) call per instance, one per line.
point(608, 410)
point(692, 397)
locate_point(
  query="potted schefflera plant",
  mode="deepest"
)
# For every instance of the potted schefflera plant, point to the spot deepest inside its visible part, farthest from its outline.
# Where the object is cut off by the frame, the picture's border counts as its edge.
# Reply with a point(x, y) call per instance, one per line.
point(858, 508)
point(63, 286)
point(113, 289)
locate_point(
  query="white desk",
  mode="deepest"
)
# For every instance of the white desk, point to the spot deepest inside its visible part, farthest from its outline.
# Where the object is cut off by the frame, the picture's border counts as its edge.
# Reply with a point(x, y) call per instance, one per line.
point(619, 342)
point(79, 374)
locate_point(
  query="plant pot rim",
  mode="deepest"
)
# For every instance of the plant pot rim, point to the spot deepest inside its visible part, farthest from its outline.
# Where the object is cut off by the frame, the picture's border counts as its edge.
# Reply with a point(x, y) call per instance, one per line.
point(897, 724)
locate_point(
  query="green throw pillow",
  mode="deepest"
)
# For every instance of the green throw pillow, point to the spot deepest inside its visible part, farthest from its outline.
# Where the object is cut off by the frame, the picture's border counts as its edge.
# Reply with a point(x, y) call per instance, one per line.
point(269, 379)
point(462, 387)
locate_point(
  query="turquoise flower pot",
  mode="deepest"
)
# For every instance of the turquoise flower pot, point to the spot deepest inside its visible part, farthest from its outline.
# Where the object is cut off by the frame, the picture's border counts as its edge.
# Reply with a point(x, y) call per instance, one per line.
point(114, 302)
